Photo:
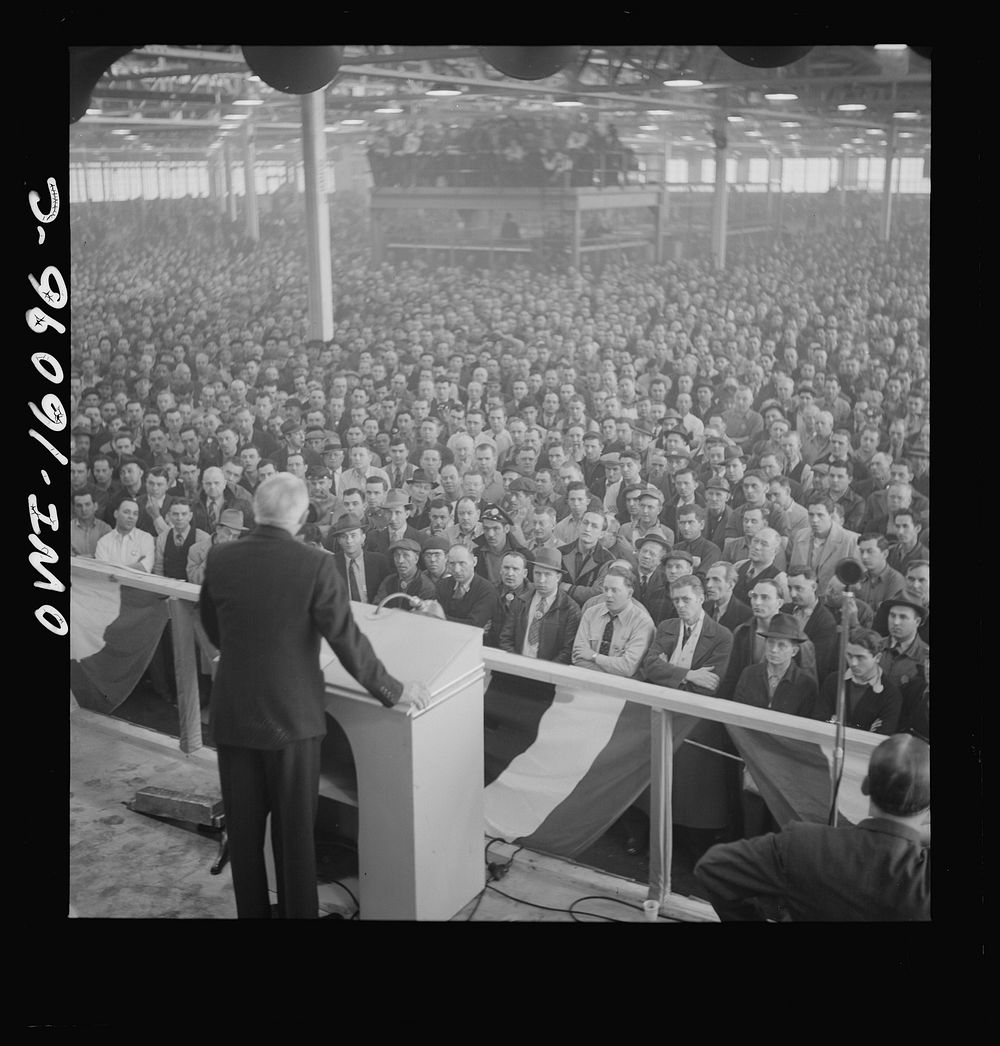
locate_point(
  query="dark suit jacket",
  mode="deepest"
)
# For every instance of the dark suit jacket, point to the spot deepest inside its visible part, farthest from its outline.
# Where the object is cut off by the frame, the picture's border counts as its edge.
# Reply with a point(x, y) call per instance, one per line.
point(507, 607)
point(557, 629)
point(795, 694)
point(421, 586)
point(736, 613)
point(656, 598)
point(145, 520)
point(720, 530)
point(478, 607)
point(742, 656)
point(876, 871)
point(265, 603)
point(586, 583)
point(711, 651)
point(377, 569)
point(378, 540)
point(821, 628)
point(861, 710)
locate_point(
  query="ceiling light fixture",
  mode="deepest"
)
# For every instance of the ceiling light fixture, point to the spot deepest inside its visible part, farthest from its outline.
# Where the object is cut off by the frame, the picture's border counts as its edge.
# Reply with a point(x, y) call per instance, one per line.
point(781, 96)
point(566, 103)
point(660, 112)
point(906, 116)
point(120, 130)
point(683, 82)
point(906, 134)
point(649, 127)
point(443, 91)
point(852, 107)
point(789, 123)
point(248, 101)
point(874, 130)
point(93, 112)
point(352, 122)
point(736, 119)
point(389, 109)
point(891, 47)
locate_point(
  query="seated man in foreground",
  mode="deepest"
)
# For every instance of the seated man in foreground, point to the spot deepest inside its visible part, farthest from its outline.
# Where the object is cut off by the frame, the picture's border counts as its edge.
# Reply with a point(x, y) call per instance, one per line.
point(876, 871)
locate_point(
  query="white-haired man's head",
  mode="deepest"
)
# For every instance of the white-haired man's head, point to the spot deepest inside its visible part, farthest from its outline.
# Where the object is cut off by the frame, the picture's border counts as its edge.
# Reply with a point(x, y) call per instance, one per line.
point(282, 501)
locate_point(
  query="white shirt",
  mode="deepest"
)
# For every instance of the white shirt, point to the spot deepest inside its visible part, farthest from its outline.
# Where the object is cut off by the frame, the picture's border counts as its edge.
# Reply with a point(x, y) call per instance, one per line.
point(683, 653)
point(136, 549)
point(531, 649)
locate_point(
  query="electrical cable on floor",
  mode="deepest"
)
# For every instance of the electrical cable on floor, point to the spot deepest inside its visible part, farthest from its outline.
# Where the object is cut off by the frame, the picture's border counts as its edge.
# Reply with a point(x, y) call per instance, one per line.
point(347, 890)
point(498, 871)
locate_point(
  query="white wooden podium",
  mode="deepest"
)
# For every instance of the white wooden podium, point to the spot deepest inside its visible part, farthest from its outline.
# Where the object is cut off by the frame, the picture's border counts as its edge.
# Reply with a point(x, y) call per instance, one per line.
point(420, 777)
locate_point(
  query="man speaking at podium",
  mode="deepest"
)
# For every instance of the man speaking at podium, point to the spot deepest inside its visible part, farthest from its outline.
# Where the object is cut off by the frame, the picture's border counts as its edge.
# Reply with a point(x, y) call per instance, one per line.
point(265, 603)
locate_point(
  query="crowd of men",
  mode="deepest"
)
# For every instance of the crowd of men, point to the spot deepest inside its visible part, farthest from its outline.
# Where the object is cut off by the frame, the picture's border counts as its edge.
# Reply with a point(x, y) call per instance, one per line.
point(653, 471)
point(503, 150)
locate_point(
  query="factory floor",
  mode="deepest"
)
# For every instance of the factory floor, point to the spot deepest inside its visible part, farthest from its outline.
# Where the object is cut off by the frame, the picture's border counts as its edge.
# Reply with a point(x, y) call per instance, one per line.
point(128, 865)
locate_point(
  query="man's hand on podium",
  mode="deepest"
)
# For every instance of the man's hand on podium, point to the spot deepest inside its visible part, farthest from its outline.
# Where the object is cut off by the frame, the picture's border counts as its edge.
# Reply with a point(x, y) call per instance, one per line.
point(415, 696)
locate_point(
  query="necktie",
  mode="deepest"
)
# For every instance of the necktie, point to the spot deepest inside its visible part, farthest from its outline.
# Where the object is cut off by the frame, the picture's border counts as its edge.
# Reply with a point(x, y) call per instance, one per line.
point(213, 513)
point(609, 630)
point(643, 579)
point(352, 579)
point(577, 563)
point(687, 634)
point(536, 623)
point(398, 481)
point(715, 611)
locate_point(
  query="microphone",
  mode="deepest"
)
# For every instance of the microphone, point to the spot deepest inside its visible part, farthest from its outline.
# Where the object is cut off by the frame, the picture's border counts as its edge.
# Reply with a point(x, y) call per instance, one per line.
point(849, 572)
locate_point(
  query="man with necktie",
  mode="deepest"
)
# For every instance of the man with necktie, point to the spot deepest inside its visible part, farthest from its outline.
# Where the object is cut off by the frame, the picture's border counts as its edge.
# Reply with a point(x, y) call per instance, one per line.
point(362, 571)
point(614, 635)
point(691, 652)
point(545, 625)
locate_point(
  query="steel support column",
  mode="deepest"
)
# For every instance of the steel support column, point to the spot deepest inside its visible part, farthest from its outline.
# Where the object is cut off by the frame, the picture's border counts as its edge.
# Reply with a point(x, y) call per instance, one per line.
point(720, 198)
point(890, 152)
point(251, 221)
point(317, 216)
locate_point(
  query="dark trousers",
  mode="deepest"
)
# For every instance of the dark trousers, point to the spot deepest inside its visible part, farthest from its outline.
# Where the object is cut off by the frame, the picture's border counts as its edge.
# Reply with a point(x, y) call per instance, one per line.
point(285, 783)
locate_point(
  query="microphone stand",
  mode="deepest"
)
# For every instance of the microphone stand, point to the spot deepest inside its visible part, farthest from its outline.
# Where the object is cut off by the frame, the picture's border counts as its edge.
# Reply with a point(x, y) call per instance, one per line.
point(847, 616)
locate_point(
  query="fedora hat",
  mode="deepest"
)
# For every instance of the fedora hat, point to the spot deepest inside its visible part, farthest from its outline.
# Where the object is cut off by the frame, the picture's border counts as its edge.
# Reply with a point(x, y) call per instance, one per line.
point(547, 558)
point(232, 518)
point(902, 601)
point(346, 523)
point(784, 626)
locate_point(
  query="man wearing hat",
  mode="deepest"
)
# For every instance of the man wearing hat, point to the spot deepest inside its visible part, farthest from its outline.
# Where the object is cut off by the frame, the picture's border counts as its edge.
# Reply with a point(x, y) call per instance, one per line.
point(649, 503)
point(778, 682)
point(396, 507)
point(494, 542)
point(420, 488)
point(323, 503)
point(613, 480)
point(717, 511)
point(294, 435)
point(408, 579)
point(876, 871)
point(652, 589)
point(434, 557)
point(361, 570)
point(229, 528)
point(904, 652)
point(543, 626)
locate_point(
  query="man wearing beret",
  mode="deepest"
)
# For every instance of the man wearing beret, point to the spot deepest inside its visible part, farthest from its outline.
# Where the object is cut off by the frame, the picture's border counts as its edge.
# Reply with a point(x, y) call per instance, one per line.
point(407, 578)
